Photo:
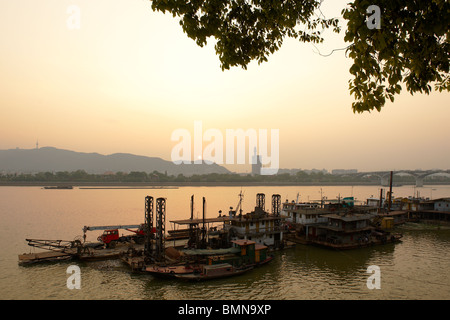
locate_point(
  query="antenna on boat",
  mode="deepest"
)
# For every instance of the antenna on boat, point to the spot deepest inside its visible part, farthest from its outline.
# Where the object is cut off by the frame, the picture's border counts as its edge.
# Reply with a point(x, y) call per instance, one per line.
point(239, 205)
point(203, 228)
point(192, 207)
point(241, 197)
point(321, 198)
point(390, 192)
point(191, 225)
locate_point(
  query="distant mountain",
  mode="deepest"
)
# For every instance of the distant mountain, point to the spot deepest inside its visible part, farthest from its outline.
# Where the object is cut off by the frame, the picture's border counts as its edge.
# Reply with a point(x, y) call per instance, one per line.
point(49, 159)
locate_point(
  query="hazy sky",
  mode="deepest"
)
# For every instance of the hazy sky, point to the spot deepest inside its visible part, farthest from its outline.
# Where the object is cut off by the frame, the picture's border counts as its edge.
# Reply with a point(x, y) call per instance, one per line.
point(129, 77)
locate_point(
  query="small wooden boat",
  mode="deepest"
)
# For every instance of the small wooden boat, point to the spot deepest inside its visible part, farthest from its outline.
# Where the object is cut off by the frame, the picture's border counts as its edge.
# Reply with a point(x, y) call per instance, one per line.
point(215, 271)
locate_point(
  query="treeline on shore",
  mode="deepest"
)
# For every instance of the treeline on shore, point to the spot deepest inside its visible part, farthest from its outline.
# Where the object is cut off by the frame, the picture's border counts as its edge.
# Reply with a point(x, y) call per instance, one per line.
point(145, 177)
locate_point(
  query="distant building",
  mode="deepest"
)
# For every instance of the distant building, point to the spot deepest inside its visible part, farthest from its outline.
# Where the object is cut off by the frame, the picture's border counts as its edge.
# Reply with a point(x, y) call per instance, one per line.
point(256, 163)
point(344, 171)
point(289, 171)
point(293, 172)
point(324, 171)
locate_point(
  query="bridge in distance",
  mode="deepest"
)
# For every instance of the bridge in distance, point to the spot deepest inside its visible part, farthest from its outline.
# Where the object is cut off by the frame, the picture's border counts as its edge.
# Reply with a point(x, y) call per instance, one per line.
point(384, 176)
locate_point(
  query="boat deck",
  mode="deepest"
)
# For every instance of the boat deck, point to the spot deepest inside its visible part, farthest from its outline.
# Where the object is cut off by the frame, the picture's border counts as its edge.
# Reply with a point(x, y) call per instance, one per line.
point(43, 256)
point(86, 255)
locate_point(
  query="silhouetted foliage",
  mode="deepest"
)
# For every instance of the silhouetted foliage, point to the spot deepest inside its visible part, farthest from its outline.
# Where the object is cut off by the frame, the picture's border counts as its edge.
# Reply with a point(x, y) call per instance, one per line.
point(410, 48)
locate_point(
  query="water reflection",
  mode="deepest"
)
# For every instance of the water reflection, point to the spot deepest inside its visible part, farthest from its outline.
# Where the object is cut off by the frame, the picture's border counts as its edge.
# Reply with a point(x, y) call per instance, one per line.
point(299, 273)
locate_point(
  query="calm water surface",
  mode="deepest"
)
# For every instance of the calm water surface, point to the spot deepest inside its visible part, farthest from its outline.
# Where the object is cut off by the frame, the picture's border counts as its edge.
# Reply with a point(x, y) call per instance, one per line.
point(417, 268)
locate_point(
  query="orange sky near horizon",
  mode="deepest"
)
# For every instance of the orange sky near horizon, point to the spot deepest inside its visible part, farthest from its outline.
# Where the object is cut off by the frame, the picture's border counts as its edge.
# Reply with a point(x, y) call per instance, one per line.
point(129, 77)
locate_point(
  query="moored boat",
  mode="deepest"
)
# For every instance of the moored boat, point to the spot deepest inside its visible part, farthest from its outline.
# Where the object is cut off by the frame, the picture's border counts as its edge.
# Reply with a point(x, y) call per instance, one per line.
point(171, 271)
point(59, 187)
point(215, 271)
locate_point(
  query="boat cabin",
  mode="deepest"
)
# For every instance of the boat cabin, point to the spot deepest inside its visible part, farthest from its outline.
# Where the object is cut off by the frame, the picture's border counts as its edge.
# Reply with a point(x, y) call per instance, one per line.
point(344, 228)
point(245, 252)
point(258, 226)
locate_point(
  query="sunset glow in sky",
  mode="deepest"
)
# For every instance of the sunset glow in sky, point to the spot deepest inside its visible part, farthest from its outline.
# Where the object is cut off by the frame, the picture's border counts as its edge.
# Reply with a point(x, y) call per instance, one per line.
point(129, 77)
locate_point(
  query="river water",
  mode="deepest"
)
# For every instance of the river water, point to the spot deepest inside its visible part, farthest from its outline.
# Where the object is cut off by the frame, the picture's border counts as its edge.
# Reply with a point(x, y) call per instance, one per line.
point(416, 268)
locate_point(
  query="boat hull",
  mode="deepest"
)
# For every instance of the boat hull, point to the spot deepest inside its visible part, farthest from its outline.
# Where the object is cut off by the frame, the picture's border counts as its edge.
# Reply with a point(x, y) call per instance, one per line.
point(355, 245)
point(170, 271)
point(203, 277)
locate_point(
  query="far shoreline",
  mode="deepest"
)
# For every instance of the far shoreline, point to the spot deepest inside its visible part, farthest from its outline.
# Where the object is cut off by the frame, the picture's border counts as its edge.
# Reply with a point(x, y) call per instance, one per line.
point(193, 184)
